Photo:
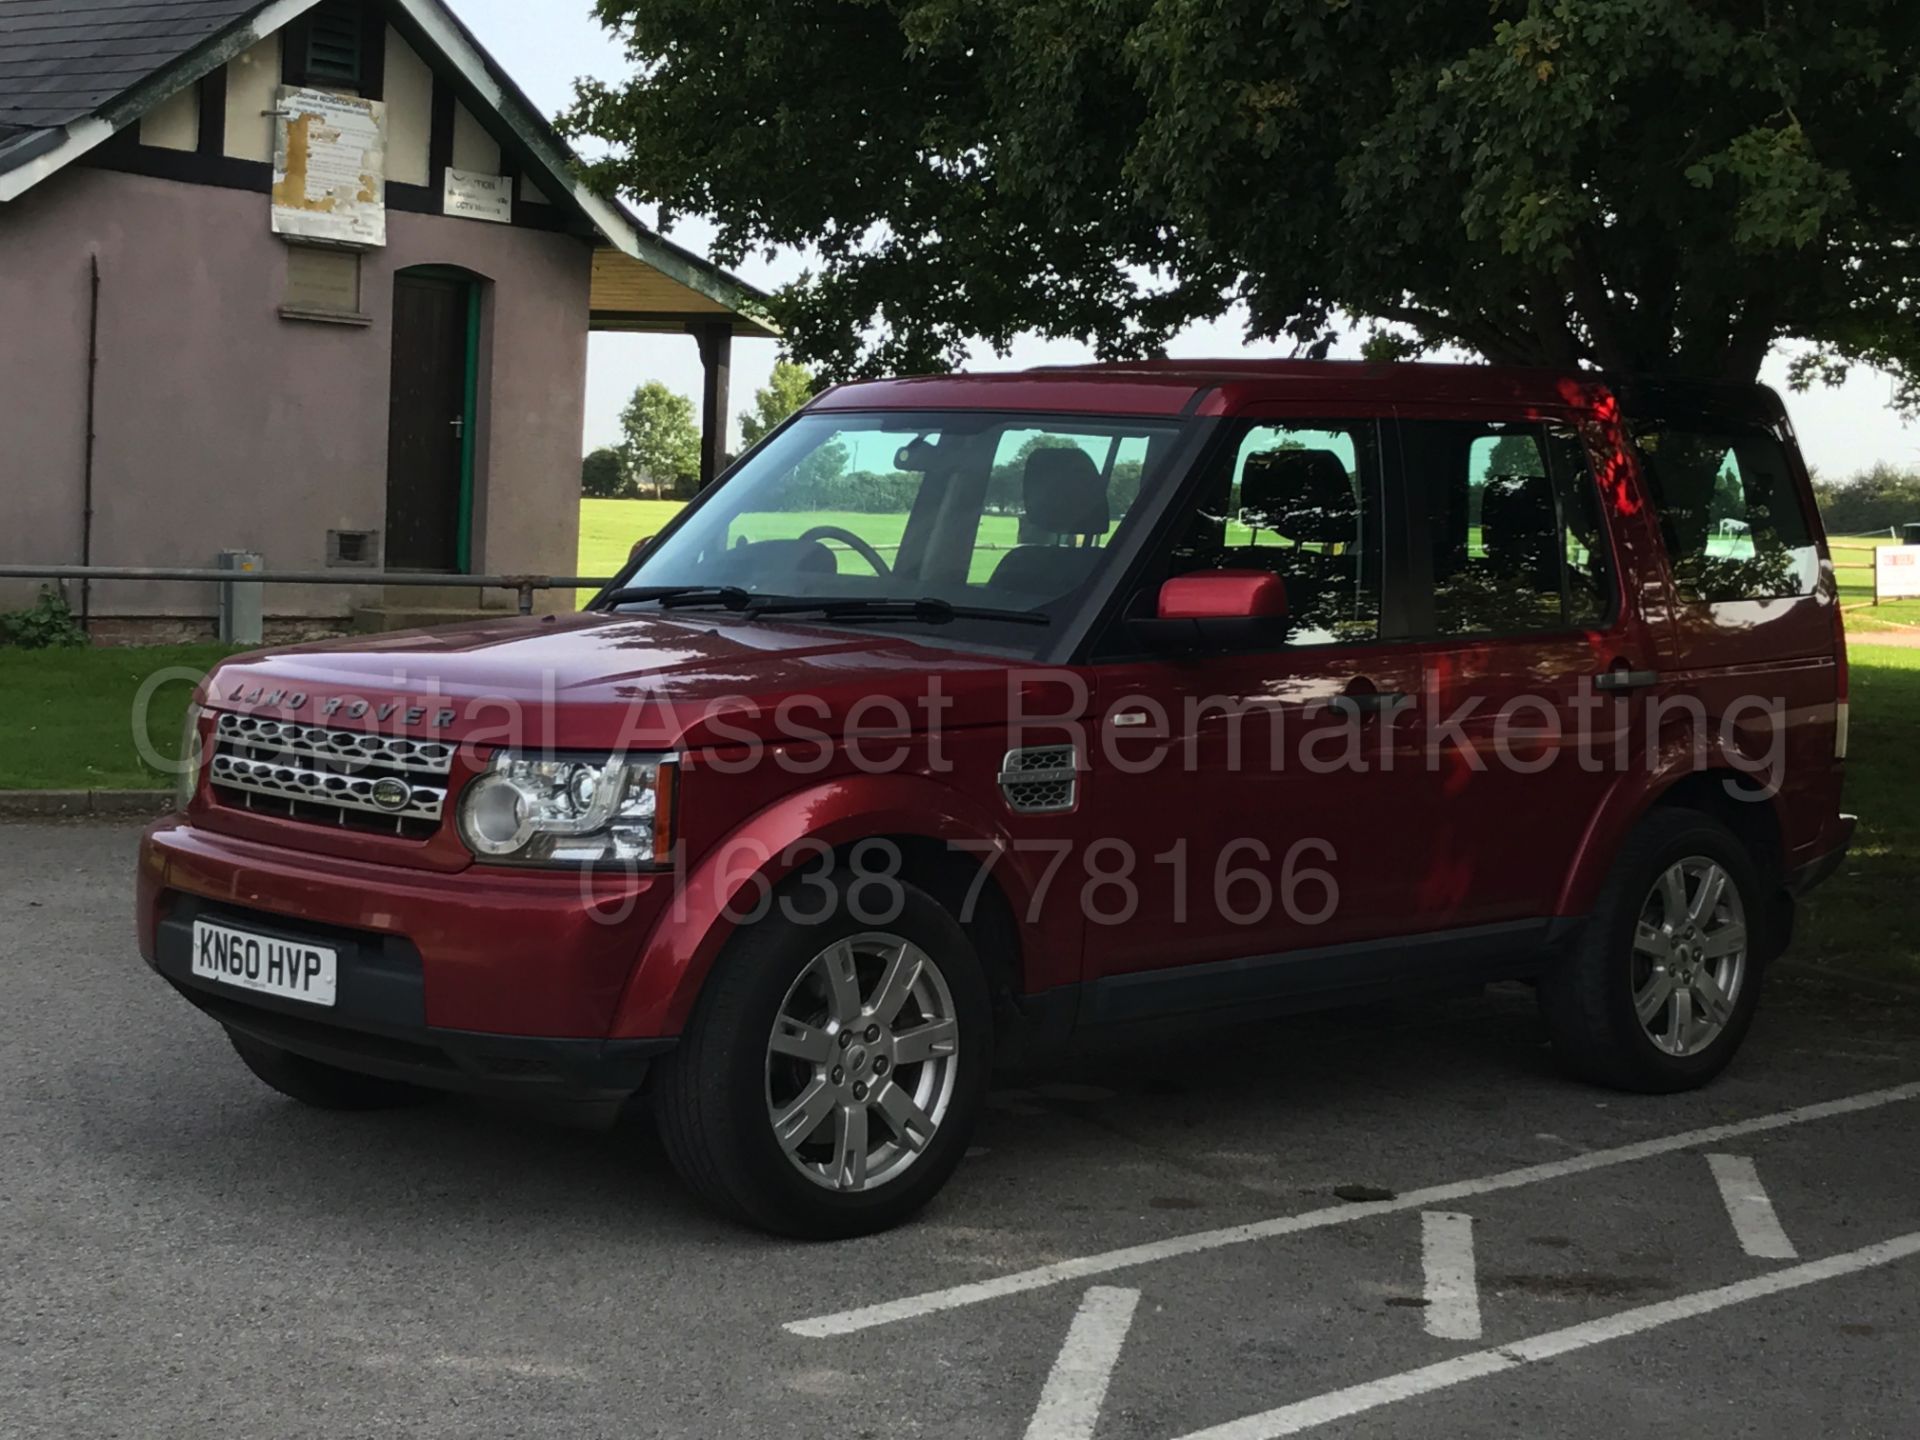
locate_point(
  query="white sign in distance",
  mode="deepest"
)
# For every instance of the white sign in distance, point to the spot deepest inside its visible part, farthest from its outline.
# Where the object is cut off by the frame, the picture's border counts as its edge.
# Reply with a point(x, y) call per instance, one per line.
point(1896, 572)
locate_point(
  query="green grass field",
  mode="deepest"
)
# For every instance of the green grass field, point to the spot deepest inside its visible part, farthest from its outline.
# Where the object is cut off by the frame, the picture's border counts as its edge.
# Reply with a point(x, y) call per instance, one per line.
point(608, 529)
point(69, 716)
point(1865, 917)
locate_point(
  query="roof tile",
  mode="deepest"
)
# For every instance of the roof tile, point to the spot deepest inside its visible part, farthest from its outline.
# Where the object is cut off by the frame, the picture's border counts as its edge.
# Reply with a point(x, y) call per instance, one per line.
point(64, 59)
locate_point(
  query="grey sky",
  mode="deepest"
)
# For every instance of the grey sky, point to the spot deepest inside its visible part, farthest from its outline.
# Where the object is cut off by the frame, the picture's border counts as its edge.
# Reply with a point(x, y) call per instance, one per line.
point(546, 45)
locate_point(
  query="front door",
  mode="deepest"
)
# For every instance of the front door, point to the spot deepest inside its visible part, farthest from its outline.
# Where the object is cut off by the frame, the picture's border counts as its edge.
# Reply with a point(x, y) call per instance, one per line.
point(1264, 795)
point(427, 424)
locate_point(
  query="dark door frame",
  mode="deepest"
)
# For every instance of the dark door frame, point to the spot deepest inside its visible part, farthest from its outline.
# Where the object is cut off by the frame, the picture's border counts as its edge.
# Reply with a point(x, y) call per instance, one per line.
point(472, 286)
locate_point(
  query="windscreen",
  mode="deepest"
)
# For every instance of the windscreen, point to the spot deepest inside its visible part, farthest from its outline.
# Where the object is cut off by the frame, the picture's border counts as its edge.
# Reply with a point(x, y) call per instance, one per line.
point(1017, 513)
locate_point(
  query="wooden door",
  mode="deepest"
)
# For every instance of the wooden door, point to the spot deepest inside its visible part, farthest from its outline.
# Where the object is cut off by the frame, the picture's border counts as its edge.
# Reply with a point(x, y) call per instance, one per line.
point(427, 422)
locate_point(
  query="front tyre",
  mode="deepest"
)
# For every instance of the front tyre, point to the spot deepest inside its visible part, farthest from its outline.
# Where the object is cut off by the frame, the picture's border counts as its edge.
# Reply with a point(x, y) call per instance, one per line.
point(832, 1071)
point(1662, 986)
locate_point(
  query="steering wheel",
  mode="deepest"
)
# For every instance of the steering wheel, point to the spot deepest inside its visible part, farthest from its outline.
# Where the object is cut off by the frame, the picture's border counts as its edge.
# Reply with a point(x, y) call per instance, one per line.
point(854, 543)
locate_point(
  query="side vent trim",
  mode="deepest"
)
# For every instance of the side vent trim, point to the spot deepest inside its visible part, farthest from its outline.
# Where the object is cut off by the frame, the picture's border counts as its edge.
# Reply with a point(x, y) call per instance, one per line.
point(1041, 779)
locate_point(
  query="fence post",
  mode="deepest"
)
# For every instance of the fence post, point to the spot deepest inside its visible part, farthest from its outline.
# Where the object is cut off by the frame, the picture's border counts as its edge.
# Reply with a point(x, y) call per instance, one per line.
point(242, 607)
point(526, 597)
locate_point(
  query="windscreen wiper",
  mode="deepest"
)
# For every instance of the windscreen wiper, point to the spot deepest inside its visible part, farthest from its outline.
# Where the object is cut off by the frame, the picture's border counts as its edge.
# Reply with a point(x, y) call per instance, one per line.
point(673, 597)
point(927, 609)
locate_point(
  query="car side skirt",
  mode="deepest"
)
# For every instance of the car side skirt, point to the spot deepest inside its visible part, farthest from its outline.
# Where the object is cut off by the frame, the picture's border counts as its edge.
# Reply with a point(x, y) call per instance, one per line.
point(1332, 975)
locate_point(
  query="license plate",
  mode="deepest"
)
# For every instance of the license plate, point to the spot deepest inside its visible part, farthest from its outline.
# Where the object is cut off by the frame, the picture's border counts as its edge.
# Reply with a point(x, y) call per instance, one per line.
point(289, 968)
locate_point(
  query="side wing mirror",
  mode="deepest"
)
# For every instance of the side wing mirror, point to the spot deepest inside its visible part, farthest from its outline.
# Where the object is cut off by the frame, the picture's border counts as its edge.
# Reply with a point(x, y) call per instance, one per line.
point(1213, 610)
point(1224, 595)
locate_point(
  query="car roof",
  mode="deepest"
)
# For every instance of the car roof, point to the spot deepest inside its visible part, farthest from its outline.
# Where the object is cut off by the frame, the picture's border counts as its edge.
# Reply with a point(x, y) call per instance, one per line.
point(1230, 386)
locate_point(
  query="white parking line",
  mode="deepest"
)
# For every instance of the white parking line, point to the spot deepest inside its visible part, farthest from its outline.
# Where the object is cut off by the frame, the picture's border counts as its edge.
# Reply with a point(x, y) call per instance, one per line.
point(865, 1317)
point(1357, 1399)
point(1070, 1405)
point(1453, 1289)
point(1750, 1209)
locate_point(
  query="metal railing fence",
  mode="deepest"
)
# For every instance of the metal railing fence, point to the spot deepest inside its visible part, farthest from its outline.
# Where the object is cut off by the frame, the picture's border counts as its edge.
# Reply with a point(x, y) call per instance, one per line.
point(525, 585)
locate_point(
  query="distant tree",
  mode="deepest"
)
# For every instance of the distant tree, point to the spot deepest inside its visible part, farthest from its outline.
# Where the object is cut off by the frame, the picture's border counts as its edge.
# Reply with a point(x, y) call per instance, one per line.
point(787, 389)
point(602, 476)
point(1869, 502)
point(660, 444)
point(1515, 455)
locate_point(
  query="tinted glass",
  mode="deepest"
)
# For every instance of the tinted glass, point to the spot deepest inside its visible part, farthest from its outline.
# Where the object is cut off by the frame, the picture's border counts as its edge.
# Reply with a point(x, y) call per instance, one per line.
point(1513, 526)
point(1729, 512)
point(1300, 500)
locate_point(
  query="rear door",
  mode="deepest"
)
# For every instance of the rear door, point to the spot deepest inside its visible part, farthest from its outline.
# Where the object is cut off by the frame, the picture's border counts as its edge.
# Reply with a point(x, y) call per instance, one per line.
point(1517, 601)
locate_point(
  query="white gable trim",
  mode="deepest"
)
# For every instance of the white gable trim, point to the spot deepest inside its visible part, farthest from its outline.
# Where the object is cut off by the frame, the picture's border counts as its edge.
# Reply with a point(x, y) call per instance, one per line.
point(82, 135)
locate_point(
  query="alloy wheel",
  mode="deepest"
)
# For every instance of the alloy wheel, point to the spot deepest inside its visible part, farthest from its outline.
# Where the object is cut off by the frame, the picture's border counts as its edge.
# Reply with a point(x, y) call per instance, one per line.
point(862, 1061)
point(1689, 955)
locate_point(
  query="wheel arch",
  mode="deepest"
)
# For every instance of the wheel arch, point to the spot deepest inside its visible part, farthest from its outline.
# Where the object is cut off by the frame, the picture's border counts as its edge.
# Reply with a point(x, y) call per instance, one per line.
point(945, 841)
point(1750, 811)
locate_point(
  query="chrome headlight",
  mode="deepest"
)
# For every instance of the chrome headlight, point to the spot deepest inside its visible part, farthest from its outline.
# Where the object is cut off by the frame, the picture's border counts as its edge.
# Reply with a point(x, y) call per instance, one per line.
point(569, 810)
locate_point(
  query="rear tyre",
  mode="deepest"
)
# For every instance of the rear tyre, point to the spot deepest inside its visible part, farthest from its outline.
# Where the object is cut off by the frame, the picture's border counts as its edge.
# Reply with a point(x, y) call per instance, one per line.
point(834, 1068)
point(1661, 988)
point(325, 1087)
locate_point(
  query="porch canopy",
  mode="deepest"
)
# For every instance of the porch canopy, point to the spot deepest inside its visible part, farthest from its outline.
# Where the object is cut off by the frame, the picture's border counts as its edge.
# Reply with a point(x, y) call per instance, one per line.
point(674, 292)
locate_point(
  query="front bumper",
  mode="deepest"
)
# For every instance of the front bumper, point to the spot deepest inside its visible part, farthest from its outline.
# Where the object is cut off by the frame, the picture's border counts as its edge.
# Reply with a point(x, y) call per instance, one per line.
point(482, 980)
point(378, 1024)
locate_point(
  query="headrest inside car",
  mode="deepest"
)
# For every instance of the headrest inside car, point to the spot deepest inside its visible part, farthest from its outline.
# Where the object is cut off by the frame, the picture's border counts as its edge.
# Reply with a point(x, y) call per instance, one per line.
point(1065, 494)
point(1303, 494)
point(1517, 519)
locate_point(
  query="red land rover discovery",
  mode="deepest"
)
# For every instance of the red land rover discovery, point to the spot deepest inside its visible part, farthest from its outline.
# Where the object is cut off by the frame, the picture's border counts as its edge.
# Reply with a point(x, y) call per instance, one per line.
point(974, 714)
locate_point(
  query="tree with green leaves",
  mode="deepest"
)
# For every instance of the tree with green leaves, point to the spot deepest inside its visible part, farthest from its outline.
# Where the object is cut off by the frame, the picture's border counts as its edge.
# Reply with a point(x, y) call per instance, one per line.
point(1667, 186)
point(788, 388)
point(1877, 501)
point(602, 476)
point(1516, 455)
point(660, 443)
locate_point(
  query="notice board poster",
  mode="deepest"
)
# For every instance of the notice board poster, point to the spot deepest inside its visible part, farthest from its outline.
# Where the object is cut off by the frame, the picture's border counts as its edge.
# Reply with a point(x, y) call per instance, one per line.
point(330, 168)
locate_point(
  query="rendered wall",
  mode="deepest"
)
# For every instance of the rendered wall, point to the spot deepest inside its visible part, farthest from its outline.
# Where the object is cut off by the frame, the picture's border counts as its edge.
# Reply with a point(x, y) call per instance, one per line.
point(222, 425)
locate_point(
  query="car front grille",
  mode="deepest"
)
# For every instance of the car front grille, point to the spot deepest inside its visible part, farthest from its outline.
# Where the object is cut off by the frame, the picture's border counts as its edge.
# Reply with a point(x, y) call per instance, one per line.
point(346, 778)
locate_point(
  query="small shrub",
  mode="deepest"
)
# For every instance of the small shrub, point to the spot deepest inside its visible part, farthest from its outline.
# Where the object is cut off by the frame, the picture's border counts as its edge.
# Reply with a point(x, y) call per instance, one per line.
point(49, 625)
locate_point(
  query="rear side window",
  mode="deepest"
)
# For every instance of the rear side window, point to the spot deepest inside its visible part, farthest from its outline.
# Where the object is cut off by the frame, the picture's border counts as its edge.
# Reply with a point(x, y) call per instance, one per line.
point(1512, 523)
point(1729, 512)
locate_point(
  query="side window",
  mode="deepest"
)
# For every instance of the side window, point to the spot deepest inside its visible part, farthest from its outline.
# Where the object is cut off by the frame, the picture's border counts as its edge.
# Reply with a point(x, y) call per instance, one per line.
point(1729, 513)
point(1514, 536)
point(1302, 501)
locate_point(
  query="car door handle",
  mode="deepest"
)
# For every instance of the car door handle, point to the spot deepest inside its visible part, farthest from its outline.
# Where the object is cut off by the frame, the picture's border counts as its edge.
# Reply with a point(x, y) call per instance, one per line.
point(1626, 679)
